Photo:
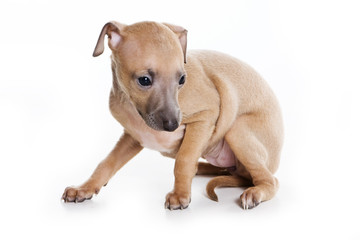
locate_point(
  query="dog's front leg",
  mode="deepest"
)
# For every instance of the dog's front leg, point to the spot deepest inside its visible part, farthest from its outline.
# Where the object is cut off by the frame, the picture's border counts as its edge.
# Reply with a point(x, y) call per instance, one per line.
point(125, 149)
point(195, 140)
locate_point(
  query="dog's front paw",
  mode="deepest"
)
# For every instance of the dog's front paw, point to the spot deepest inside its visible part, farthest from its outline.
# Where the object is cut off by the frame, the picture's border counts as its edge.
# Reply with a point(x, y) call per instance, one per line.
point(79, 194)
point(176, 201)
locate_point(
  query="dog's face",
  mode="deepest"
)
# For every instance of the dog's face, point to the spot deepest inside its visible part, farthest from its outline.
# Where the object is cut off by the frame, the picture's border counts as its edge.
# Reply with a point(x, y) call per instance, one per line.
point(148, 60)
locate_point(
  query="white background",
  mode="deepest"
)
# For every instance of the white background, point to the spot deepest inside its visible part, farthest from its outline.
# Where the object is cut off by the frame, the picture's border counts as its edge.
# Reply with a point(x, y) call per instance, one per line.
point(55, 125)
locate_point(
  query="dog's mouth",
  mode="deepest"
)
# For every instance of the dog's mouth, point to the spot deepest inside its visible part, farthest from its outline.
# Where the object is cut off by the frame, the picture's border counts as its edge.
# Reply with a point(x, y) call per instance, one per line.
point(141, 115)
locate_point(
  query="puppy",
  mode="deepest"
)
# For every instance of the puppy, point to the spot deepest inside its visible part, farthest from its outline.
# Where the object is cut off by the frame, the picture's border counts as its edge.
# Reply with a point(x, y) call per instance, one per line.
point(188, 105)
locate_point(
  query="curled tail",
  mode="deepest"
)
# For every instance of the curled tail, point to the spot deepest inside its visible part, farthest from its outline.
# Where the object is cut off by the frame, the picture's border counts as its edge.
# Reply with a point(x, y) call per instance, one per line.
point(225, 181)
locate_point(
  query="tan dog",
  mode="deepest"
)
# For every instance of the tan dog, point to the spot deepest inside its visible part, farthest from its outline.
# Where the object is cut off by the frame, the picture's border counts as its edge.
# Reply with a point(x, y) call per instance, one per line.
point(214, 106)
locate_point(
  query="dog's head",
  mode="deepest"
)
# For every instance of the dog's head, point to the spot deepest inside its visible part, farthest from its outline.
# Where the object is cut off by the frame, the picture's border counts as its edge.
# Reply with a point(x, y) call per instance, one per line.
point(148, 61)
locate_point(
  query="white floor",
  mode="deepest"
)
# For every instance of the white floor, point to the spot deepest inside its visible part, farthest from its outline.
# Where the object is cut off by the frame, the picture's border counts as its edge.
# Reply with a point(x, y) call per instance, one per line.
point(55, 126)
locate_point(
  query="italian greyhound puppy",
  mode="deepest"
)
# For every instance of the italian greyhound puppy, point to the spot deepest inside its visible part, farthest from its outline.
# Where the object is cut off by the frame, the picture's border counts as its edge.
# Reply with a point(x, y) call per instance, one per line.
point(188, 105)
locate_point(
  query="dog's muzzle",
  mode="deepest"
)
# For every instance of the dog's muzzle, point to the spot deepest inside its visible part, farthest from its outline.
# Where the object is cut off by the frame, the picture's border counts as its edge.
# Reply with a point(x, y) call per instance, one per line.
point(160, 122)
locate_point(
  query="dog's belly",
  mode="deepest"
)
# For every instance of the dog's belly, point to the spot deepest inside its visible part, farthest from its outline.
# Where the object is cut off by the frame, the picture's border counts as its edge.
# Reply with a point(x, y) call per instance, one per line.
point(221, 155)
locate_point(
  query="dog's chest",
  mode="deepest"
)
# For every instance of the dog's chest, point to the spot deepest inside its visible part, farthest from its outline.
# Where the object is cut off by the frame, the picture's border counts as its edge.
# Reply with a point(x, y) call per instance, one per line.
point(164, 142)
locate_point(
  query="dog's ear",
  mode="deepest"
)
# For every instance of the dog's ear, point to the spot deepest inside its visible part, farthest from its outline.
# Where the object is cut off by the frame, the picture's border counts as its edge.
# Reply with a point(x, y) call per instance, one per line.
point(113, 31)
point(182, 35)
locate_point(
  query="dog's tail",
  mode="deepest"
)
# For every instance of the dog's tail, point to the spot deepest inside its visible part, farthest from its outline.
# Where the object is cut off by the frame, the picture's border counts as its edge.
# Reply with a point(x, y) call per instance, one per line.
point(225, 181)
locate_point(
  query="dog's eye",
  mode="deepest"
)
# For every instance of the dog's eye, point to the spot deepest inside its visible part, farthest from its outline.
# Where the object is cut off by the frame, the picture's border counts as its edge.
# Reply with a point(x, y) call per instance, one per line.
point(144, 81)
point(182, 80)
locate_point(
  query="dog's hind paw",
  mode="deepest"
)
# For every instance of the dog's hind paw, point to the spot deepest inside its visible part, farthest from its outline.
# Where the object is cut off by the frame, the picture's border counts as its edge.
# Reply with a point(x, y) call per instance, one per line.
point(79, 194)
point(250, 198)
point(176, 201)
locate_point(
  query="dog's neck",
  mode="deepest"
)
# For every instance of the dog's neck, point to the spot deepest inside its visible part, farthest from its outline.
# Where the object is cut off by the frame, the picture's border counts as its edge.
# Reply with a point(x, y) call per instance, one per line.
point(116, 87)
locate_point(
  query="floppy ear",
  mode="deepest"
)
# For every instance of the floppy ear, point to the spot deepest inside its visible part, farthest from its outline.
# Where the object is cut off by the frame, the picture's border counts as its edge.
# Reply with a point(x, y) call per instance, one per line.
point(182, 35)
point(113, 31)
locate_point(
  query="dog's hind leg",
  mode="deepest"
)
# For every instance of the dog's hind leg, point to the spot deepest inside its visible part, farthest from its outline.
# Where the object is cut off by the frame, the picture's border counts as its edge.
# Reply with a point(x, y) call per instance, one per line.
point(247, 139)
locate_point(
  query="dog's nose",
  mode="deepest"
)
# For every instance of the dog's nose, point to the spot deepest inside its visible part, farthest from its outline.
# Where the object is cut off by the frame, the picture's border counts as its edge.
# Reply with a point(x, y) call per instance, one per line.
point(170, 125)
